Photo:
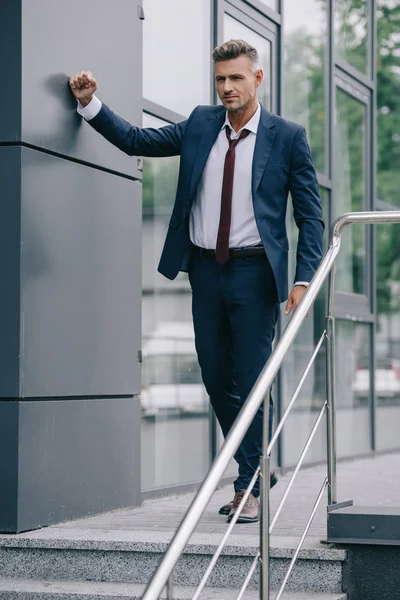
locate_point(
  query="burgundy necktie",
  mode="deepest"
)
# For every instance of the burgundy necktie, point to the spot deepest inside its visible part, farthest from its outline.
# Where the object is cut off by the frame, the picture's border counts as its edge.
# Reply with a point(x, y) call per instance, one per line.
point(222, 252)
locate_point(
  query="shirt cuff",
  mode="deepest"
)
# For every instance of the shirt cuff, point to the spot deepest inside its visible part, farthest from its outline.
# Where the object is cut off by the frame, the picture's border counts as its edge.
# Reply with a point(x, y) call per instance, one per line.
point(91, 110)
point(305, 283)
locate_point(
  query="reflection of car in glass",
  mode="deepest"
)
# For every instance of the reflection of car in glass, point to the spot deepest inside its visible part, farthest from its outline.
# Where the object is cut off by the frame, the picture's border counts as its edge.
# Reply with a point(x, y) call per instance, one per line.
point(171, 381)
point(387, 379)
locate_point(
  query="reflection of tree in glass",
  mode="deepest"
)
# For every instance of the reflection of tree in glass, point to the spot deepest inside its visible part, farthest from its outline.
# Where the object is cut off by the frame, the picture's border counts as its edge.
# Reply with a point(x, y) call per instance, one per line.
point(388, 153)
point(351, 20)
point(388, 268)
point(304, 103)
point(160, 178)
point(350, 186)
point(304, 82)
point(388, 101)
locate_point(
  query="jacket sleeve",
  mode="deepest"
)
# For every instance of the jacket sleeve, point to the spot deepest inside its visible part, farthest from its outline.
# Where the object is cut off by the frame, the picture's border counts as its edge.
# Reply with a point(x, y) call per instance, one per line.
point(134, 141)
point(307, 209)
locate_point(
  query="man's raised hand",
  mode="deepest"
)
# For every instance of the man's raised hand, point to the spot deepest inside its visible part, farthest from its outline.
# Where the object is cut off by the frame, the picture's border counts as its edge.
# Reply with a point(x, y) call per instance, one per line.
point(83, 85)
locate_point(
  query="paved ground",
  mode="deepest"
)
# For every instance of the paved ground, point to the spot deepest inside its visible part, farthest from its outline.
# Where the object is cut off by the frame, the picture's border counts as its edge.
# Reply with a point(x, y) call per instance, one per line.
point(369, 482)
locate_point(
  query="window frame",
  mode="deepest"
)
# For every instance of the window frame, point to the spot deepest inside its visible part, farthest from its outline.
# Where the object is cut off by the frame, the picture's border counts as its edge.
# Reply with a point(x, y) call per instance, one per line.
point(350, 305)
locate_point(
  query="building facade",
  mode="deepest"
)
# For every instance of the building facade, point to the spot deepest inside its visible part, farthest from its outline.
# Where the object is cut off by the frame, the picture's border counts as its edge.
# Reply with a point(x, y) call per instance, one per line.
point(334, 67)
point(101, 399)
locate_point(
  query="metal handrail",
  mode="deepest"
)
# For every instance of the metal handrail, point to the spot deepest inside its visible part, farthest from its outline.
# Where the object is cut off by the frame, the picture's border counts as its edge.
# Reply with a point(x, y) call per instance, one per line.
point(253, 403)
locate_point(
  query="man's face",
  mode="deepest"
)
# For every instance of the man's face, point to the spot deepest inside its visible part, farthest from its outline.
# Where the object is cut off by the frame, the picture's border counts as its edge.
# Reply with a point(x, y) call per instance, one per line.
point(237, 82)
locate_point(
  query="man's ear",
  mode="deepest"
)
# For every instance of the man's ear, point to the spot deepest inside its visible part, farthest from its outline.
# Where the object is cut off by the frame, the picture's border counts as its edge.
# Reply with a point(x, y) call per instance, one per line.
point(259, 77)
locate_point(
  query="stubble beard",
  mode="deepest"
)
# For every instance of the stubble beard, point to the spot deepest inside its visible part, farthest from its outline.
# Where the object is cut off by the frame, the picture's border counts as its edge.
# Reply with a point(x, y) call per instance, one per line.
point(239, 109)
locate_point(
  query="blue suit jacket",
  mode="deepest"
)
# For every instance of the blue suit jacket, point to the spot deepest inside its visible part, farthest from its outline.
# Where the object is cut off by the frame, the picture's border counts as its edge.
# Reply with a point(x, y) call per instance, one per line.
point(281, 164)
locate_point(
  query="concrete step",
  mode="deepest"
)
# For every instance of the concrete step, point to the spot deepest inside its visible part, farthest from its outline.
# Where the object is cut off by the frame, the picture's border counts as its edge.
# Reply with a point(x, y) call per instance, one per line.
point(129, 557)
point(28, 589)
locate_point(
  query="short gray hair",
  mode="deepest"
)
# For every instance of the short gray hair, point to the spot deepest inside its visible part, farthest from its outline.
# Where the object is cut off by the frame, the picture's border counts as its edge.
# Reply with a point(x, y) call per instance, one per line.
point(235, 48)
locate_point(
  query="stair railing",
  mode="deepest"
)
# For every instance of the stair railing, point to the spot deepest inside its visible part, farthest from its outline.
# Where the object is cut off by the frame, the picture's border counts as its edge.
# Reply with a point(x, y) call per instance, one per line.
point(258, 395)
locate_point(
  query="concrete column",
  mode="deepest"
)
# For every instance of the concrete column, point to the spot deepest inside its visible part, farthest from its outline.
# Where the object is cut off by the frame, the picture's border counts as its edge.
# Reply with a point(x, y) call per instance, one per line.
point(70, 265)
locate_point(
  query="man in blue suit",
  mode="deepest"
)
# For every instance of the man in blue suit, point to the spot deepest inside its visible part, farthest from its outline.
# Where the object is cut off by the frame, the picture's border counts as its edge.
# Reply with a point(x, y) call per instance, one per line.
point(238, 164)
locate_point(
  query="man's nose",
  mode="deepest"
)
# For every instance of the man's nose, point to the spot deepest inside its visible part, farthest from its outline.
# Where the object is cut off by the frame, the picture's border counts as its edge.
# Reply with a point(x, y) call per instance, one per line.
point(227, 87)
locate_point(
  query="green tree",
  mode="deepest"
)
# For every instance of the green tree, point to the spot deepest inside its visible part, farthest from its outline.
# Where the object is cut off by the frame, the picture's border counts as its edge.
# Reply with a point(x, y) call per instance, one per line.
point(388, 101)
point(351, 37)
point(304, 82)
point(160, 178)
point(305, 56)
point(388, 150)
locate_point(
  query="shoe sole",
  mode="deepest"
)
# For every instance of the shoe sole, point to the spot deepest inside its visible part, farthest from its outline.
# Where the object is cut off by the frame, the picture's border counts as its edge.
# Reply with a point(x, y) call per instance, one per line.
point(245, 519)
point(226, 511)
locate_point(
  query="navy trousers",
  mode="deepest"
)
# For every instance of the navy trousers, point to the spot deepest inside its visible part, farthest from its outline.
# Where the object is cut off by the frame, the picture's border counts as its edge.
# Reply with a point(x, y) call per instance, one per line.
point(235, 309)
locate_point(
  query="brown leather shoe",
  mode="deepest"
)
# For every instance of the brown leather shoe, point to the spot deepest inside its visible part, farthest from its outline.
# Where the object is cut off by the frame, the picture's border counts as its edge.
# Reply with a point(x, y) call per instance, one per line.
point(250, 511)
point(226, 508)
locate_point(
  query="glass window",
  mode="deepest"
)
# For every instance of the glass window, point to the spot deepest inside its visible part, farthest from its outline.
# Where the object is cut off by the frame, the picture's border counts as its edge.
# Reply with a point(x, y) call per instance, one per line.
point(234, 30)
point(388, 102)
point(353, 387)
point(351, 32)
point(171, 31)
point(313, 392)
point(350, 189)
point(387, 337)
point(305, 56)
point(175, 424)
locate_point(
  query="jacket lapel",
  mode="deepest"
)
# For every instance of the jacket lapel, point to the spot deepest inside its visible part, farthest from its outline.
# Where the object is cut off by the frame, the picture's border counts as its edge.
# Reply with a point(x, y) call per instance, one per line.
point(262, 151)
point(207, 140)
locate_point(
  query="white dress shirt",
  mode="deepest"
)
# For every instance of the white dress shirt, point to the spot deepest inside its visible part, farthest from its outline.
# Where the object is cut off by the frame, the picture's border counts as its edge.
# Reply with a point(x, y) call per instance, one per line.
point(91, 110)
point(205, 213)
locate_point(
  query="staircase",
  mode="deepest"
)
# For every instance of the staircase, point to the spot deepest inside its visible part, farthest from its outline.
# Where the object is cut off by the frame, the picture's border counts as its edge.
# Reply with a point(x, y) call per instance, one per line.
point(25, 590)
point(94, 564)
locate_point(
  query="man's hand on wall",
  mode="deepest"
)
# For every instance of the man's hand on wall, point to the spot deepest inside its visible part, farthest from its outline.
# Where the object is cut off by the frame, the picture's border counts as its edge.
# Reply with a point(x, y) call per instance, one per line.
point(294, 298)
point(83, 85)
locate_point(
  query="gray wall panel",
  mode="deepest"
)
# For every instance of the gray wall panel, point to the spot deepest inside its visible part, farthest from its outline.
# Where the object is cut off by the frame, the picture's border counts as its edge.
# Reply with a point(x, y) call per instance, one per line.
point(60, 39)
point(8, 466)
point(10, 254)
point(70, 265)
point(10, 69)
point(81, 279)
point(77, 457)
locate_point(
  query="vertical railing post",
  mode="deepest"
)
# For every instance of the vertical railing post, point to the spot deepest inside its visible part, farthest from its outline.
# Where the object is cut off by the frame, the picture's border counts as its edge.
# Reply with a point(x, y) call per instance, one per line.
point(264, 504)
point(170, 588)
point(330, 392)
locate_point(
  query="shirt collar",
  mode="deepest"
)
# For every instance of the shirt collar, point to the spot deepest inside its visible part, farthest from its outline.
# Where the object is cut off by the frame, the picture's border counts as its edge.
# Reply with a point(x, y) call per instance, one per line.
point(251, 125)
